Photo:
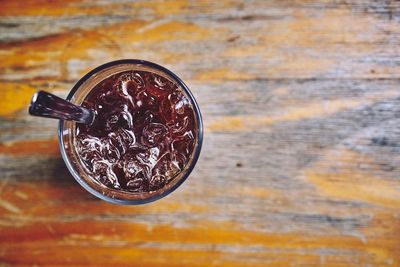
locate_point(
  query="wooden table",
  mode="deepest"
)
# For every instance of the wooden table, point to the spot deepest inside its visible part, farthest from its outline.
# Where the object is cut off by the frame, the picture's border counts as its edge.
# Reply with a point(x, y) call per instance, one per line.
point(301, 157)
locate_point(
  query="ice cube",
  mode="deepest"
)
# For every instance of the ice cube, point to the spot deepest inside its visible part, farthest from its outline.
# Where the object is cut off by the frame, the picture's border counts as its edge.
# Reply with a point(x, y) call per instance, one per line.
point(103, 172)
point(153, 134)
point(158, 86)
point(130, 83)
point(109, 151)
point(137, 184)
point(179, 126)
point(122, 139)
point(166, 167)
point(183, 143)
point(132, 167)
point(173, 105)
point(156, 182)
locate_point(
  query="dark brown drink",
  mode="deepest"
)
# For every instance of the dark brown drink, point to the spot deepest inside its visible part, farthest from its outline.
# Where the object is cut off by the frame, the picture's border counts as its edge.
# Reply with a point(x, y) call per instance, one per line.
point(143, 135)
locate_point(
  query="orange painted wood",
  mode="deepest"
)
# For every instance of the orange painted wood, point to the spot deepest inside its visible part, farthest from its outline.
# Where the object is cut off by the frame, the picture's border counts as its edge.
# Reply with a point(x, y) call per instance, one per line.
point(301, 157)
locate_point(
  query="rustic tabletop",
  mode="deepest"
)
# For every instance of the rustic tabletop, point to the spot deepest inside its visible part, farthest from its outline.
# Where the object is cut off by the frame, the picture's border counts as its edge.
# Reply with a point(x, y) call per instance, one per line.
point(301, 158)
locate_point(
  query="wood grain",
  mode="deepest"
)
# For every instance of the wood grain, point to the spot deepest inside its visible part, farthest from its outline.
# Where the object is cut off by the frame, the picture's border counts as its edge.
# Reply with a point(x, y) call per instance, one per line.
point(301, 105)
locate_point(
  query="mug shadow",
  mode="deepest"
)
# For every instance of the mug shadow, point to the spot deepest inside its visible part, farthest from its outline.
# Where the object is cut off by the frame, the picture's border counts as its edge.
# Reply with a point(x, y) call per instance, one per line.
point(59, 171)
point(55, 173)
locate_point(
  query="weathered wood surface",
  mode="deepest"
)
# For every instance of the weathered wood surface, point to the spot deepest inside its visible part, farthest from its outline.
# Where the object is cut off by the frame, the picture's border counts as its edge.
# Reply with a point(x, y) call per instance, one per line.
point(301, 157)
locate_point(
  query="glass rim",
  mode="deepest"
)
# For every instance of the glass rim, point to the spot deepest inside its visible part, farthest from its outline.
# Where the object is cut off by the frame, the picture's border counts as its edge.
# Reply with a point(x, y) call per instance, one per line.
point(196, 153)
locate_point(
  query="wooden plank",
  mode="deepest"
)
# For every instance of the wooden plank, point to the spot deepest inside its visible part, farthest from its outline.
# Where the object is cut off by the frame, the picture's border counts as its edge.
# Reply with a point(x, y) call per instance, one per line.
point(300, 165)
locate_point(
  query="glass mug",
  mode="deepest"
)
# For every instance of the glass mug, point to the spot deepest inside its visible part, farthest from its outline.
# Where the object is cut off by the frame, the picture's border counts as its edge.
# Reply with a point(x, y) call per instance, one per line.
point(68, 131)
